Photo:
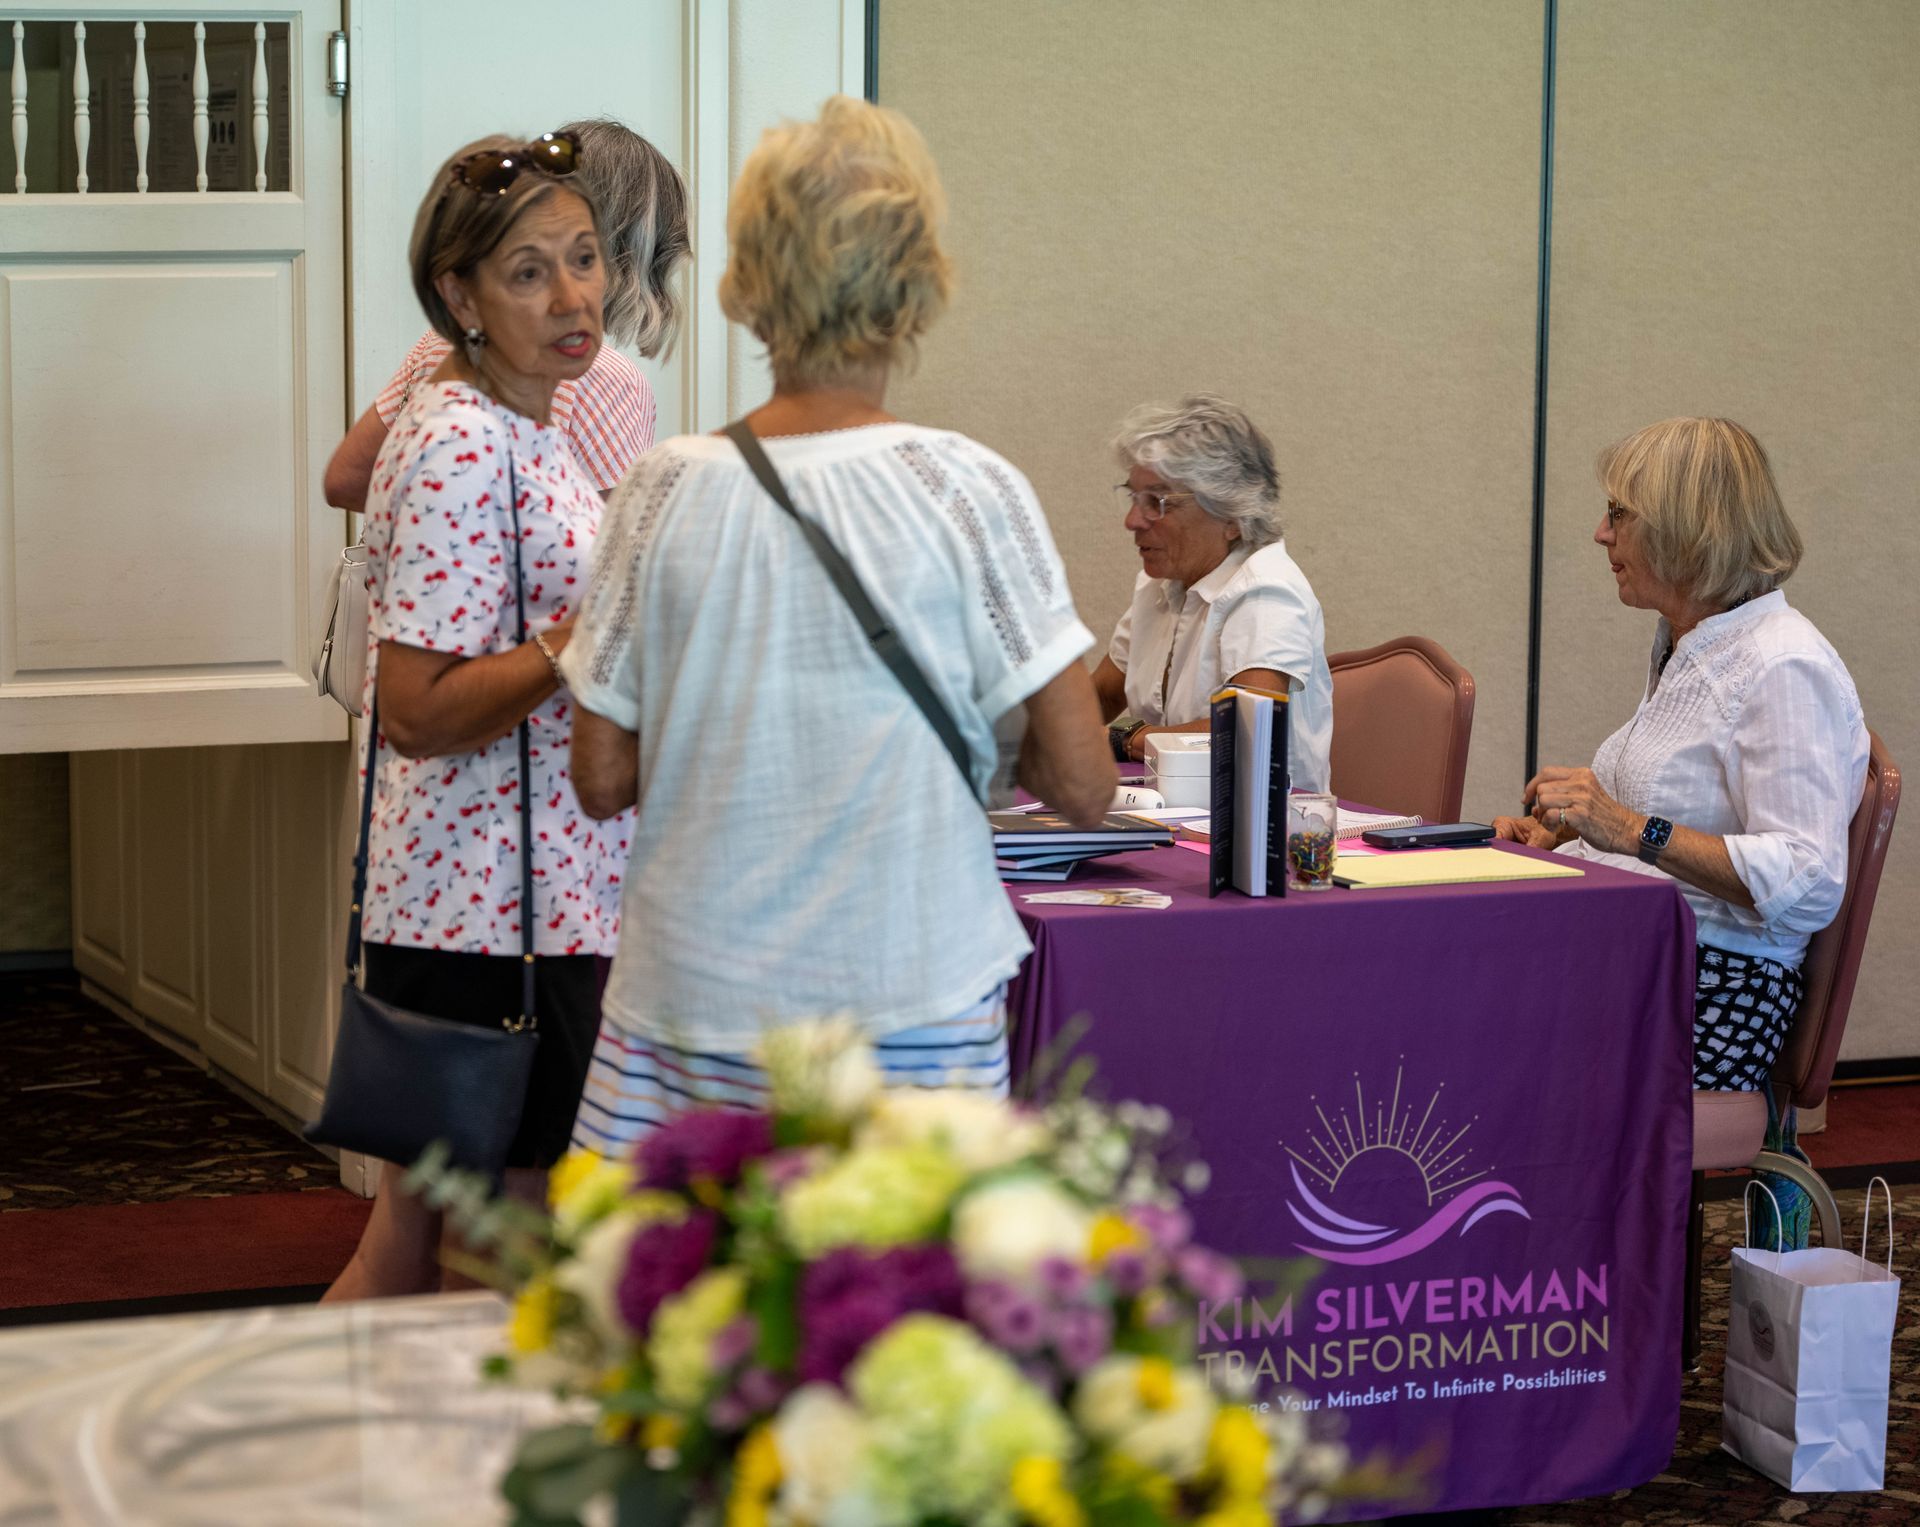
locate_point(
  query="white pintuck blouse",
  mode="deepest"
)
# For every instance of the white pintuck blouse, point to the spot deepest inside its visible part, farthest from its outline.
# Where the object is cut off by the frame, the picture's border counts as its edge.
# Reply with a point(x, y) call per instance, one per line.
point(1753, 733)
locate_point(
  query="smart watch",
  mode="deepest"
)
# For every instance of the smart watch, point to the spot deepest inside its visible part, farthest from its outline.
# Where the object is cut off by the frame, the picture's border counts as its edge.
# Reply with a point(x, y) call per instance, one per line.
point(1653, 839)
point(1119, 737)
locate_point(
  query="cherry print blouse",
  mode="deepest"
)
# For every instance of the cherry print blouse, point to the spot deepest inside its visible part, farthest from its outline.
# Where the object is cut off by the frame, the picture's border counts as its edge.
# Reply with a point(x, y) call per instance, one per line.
point(444, 852)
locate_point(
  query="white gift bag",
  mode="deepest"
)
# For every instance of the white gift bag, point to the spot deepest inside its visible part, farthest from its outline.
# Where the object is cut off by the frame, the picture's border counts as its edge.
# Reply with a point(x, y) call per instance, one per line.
point(1809, 1357)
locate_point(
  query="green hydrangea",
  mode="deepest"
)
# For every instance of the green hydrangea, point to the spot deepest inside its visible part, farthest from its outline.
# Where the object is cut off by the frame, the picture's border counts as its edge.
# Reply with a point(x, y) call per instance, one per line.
point(680, 1348)
point(949, 1417)
point(877, 1196)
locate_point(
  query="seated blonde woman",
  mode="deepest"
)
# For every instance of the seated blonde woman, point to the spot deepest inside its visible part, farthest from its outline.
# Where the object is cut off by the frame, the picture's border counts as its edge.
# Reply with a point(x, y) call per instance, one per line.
point(1739, 771)
point(1218, 600)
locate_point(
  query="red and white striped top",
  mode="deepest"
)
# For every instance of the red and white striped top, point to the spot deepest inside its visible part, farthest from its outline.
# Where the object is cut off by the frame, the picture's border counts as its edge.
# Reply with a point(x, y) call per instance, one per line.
point(606, 417)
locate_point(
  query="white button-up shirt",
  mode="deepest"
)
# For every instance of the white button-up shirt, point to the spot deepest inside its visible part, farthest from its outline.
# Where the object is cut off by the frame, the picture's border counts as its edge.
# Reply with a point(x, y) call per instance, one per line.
point(1754, 733)
point(1255, 610)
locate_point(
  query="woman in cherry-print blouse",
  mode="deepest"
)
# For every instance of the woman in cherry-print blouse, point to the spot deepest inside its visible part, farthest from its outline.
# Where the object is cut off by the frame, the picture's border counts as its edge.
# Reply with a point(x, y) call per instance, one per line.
point(508, 263)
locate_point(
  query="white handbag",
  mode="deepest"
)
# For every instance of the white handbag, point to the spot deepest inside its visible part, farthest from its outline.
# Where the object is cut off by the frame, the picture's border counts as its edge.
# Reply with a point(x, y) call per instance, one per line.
point(340, 665)
point(1809, 1352)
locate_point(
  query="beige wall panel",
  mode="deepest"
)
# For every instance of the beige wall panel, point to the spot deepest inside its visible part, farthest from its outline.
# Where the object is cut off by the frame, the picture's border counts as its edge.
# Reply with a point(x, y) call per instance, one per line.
point(235, 908)
point(34, 853)
point(311, 804)
point(165, 858)
point(1327, 212)
point(102, 950)
point(1735, 229)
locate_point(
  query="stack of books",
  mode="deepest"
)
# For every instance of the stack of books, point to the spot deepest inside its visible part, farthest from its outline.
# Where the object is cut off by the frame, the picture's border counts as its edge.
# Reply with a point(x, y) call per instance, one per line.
point(1040, 845)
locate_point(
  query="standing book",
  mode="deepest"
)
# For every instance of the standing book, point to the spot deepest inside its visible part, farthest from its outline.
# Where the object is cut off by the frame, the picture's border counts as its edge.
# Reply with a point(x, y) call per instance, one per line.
point(1249, 816)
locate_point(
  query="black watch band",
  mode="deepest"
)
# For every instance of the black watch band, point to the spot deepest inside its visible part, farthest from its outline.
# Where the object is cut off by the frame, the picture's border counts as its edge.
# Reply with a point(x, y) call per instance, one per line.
point(1119, 737)
point(1653, 839)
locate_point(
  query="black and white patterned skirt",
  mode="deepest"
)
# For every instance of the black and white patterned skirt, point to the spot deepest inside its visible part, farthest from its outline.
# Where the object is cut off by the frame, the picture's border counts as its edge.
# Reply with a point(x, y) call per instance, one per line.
point(1743, 1005)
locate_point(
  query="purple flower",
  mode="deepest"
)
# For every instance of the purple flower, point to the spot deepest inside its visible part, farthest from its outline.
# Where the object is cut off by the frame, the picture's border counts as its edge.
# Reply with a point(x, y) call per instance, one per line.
point(1063, 1279)
point(1081, 1337)
point(663, 1259)
point(850, 1296)
point(784, 1168)
point(735, 1341)
point(711, 1145)
point(1168, 1229)
point(1127, 1271)
point(1007, 1316)
point(760, 1389)
point(1207, 1274)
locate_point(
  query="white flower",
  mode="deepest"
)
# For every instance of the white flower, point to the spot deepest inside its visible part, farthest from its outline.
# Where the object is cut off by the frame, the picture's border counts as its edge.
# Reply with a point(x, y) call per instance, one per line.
point(1008, 1228)
point(822, 1069)
point(979, 1132)
point(1155, 1414)
point(822, 1442)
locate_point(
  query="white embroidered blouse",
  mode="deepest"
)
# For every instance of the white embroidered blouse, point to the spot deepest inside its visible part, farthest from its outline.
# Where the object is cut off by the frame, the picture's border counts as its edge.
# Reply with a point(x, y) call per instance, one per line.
point(1753, 733)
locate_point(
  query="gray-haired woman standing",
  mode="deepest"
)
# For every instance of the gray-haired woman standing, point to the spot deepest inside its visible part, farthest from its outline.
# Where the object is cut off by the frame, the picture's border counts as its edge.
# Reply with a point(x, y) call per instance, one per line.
point(1218, 600)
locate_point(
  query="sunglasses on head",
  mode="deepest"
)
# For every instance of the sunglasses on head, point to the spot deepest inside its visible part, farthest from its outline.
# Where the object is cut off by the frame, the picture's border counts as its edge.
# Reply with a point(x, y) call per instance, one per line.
point(493, 170)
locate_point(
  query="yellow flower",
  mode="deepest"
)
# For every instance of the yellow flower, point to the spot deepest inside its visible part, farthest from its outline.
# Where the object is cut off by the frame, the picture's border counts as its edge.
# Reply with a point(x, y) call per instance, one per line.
point(1038, 1488)
point(756, 1475)
point(660, 1430)
point(1237, 1451)
point(531, 1328)
point(1238, 1514)
point(1155, 1383)
point(1111, 1233)
point(569, 1173)
point(1153, 1486)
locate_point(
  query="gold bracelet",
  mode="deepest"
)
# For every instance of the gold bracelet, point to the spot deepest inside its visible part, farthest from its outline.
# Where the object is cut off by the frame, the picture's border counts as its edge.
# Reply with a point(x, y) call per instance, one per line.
point(552, 661)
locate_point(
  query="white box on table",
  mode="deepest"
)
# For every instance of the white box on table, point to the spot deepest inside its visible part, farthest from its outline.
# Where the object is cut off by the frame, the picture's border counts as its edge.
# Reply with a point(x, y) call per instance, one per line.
point(1180, 767)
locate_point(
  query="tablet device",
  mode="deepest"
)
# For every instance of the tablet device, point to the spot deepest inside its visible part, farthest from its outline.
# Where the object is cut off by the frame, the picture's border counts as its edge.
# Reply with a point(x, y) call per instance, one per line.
point(1429, 835)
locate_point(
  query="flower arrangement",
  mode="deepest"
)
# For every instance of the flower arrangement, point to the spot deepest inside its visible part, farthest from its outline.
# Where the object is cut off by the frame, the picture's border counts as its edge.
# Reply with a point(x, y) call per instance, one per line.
point(871, 1308)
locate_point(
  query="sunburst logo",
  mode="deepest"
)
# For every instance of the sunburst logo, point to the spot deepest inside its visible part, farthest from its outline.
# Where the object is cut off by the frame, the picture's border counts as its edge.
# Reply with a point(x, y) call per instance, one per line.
point(1408, 1163)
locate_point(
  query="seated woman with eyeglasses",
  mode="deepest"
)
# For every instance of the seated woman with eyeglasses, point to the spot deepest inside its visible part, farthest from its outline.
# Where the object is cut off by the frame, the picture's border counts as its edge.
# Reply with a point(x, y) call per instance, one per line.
point(478, 517)
point(1218, 600)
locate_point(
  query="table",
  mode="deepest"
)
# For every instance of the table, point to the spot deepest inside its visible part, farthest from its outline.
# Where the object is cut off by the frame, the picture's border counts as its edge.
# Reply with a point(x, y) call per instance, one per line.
point(1472, 1103)
point(351, 1414)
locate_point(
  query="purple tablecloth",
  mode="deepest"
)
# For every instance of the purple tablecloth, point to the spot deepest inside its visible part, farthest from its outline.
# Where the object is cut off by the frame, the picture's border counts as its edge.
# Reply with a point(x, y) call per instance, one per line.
point(1472, 1102)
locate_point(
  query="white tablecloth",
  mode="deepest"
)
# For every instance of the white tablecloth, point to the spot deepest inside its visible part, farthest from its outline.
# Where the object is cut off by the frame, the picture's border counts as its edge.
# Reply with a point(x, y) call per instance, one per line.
point(364, 1414)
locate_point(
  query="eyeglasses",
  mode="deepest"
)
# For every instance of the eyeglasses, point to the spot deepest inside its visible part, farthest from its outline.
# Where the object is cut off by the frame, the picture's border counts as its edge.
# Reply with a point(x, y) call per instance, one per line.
point(493, 170)
point(1617, 512)
point(1152, 502)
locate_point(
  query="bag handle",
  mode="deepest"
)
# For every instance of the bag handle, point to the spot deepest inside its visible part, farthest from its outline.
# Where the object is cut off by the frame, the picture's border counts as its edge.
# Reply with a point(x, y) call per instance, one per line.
point(528, 1018)
point(1746, 1221)
point(884, 640)
point(1866, 1226)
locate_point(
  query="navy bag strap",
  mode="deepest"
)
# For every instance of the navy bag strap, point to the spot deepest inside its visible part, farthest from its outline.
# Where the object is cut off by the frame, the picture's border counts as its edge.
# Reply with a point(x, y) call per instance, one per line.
point(881, 636)
point(528, 1016)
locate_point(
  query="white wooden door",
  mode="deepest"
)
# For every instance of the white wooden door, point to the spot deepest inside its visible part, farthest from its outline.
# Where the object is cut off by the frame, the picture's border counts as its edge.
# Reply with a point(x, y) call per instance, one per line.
point(172, 374)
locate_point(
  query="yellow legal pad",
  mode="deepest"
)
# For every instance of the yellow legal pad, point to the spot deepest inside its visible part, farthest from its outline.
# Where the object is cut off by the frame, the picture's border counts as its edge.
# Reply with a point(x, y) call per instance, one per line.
point(1451, 866)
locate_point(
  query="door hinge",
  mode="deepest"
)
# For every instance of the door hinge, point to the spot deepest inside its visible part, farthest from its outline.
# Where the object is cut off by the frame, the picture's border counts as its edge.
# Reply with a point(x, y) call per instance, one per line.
point(337, 64)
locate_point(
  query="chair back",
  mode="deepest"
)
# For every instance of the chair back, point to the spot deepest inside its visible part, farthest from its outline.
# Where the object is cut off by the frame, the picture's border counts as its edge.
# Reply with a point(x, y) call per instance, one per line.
point(1833, 955)
point(1402, 719)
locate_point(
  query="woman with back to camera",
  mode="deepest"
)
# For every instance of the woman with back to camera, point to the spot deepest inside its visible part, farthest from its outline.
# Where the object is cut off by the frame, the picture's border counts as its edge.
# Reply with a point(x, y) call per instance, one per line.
point(804, 844)
point(507, 260)
point(1739, 772)
point(607, 414)
point(1218, 601)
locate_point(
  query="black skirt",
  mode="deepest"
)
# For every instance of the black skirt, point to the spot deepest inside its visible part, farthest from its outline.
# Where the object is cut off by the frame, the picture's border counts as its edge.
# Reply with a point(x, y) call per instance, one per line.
point(482, 989)
point(1743, 1006)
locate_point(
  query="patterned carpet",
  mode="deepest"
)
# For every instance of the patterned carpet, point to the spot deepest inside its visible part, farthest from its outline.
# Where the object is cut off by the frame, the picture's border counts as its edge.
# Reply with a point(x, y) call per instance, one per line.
point(94, 1112)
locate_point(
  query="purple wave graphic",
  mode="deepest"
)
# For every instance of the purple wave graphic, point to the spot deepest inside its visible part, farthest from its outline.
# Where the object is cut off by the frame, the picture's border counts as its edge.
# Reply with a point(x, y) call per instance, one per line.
point(1472, 1206)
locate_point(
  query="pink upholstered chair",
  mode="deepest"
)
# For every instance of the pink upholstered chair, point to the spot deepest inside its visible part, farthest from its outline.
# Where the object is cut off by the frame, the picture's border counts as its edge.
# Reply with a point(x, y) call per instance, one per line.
point(1730, 1127)
point(1402, 719)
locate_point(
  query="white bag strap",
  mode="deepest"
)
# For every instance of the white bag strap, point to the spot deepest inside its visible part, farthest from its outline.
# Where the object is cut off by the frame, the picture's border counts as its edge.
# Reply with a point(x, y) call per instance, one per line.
point(1866, 1226)
point(1746, 1219)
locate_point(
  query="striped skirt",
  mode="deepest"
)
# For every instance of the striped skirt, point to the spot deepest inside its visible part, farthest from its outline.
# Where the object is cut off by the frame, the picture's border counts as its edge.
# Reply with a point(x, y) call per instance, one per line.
point(635, 1085)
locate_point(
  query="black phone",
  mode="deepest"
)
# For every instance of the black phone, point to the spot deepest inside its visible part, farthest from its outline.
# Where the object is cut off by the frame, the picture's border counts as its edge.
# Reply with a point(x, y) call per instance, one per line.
point(1430, 835)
